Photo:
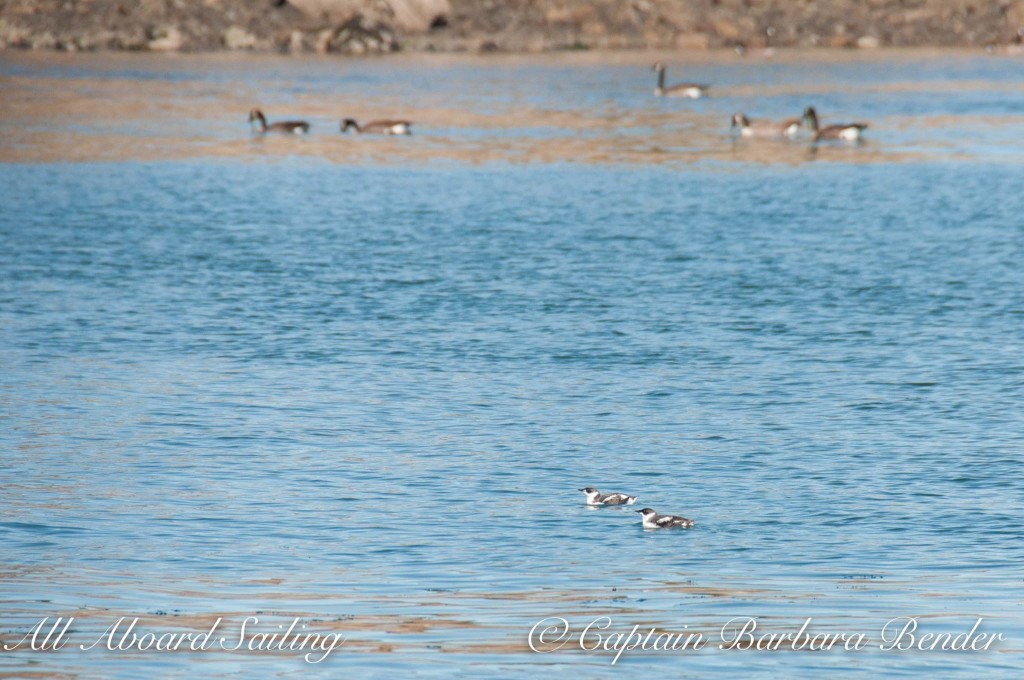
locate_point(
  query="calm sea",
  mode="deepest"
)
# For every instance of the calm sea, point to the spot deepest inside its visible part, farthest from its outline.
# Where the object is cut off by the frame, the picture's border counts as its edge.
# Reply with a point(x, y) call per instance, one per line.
point(359, 381)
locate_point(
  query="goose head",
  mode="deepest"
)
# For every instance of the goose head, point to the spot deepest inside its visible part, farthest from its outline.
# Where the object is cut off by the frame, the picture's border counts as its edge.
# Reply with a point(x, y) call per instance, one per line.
point(256, 117)
point(810, 118)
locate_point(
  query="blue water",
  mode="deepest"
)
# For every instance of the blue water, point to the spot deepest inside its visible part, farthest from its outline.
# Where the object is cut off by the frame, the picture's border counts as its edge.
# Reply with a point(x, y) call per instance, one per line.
point(330, 391)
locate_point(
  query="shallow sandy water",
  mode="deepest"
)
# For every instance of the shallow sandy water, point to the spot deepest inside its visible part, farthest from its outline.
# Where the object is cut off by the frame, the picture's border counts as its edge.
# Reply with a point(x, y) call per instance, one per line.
point(591, 108)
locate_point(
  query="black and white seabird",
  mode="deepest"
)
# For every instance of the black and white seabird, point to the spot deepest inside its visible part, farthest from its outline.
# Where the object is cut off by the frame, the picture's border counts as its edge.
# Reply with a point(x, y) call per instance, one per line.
point(652, 520)
point(594, 497)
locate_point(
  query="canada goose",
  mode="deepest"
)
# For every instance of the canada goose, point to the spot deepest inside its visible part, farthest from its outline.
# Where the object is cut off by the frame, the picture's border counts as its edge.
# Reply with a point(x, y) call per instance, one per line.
point(297, 127)
point(848, 132)
point(766, 128)
point(378, 127)
point(691, 90)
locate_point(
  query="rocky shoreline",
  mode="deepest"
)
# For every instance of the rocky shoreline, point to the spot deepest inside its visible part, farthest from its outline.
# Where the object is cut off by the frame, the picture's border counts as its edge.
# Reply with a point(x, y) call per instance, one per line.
point(381, 26)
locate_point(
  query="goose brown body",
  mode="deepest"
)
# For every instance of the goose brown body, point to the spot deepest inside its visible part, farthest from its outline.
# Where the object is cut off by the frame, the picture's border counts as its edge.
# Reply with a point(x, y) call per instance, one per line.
point(765, 128)
point(378, 127)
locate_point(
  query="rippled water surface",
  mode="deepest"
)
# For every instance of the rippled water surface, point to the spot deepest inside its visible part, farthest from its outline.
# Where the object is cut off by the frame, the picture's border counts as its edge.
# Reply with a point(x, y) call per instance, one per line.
point(359, 380)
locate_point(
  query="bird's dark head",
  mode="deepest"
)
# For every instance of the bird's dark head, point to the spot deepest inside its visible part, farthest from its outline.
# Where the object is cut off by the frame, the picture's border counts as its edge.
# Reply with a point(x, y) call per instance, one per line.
point(588, 489)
